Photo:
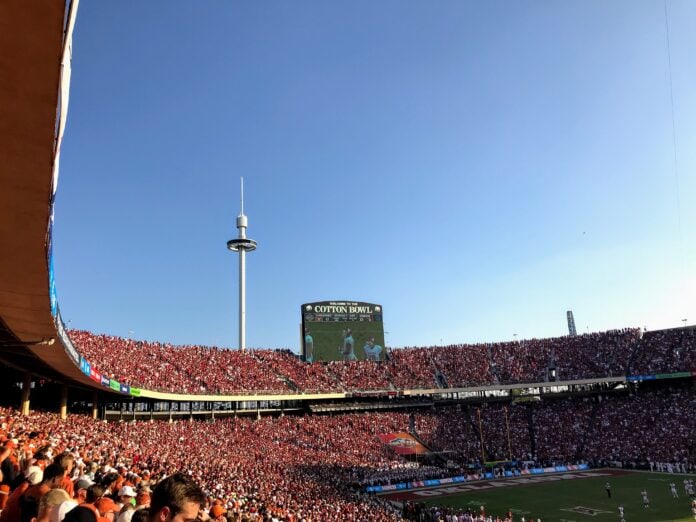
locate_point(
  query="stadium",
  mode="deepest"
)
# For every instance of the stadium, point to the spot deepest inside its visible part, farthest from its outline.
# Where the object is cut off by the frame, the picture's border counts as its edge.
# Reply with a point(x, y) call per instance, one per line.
point(572, 427)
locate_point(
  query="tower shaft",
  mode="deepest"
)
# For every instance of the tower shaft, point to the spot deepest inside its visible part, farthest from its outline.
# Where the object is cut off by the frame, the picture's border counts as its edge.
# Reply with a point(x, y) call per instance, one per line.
point(242, 245)
point(242, 300)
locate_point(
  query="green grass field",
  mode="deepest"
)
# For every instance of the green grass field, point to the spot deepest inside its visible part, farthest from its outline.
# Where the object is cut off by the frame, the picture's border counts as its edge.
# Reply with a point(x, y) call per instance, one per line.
point(328, 337)
point(569, 500)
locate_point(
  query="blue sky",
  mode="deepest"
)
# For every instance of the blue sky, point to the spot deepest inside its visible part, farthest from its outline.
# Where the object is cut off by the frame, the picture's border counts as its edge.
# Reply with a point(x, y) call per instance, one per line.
point(478, 168)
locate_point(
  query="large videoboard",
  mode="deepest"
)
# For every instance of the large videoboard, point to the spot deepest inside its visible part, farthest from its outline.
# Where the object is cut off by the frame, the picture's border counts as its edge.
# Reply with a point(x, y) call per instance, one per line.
point(342, 331)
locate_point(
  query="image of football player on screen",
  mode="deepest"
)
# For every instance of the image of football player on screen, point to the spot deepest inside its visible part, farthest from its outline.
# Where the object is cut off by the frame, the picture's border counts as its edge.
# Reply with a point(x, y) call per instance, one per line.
point(346, 350)
point(372, 351)
point(309, 346)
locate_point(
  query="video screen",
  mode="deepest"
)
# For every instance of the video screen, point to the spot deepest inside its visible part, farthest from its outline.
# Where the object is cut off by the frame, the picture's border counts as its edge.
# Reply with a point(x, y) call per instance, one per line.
point(342, 331)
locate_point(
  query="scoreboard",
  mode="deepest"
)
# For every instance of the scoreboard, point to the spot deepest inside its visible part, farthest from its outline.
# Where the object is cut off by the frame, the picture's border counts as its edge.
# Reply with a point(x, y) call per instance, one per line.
point(342, 331)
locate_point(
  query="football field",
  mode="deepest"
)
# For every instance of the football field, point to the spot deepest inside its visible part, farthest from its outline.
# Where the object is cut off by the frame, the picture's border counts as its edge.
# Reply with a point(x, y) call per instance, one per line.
point(566, 497)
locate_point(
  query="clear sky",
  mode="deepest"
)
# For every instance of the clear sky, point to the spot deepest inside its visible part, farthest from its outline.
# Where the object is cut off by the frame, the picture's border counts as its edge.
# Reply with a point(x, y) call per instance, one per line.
point(478, 168)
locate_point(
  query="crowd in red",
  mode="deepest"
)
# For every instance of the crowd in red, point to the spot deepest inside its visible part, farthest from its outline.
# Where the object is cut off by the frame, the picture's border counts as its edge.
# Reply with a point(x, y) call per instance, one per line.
point(666, 351)
point(197, 369)
point(651, 427)
point(311, 467)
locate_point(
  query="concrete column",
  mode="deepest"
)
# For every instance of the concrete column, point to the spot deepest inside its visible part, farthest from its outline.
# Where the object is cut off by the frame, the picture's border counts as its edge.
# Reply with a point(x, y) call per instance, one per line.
point(26, 392)
point(63, 402)
point(95, 405)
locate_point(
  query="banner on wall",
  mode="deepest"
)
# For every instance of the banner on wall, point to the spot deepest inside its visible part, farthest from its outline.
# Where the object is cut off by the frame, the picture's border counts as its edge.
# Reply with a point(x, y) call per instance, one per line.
point(403, 443)
point(85, 366)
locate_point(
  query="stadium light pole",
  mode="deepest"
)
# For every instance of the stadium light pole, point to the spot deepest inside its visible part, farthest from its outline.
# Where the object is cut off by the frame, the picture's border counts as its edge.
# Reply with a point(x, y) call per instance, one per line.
point(242, 245)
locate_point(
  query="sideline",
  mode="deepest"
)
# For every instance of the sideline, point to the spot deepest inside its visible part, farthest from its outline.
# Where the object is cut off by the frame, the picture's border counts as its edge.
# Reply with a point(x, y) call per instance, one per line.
point(527, 480)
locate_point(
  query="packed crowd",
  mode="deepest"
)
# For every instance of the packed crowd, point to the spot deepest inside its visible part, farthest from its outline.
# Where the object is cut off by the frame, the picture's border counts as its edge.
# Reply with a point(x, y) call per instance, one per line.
point(601, 354)
point(197, 369)
point(666, 351)
point(289, 468)
point(656, 427)
point(312, 467)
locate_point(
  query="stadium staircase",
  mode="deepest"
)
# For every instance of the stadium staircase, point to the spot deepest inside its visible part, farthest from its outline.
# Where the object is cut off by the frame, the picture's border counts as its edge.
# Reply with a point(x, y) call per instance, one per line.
point(632, 357)
point(491, 364)
point(287, 380)
point(440, 379)
point(532, 433)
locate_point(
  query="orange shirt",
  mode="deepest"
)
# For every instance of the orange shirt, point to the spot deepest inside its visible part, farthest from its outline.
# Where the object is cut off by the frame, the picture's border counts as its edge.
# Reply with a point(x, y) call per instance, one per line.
point(13, 508)
point(68, 486)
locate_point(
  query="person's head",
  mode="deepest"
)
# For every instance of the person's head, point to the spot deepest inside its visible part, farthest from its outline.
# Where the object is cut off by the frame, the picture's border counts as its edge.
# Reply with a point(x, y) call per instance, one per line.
point(66, 460)
point(142, 499)
point(217, 511)
point(81, 487)
point(49, 503)
point(141, 515)
point(34, 475)
point(94, 492)
point(109, 481)
point(61, 511)
point(126, 495)
point(176, 499)
point(53, 475)
point(80, 514)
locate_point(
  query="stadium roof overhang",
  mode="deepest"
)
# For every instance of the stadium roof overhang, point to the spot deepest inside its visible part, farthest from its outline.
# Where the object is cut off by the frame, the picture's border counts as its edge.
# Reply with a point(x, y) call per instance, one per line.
point(33, 38)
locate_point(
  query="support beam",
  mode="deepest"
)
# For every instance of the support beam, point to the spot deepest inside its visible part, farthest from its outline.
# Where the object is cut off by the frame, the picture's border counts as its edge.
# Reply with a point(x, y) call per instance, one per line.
point(95, 405)
point(26, 392)
point(63, 402)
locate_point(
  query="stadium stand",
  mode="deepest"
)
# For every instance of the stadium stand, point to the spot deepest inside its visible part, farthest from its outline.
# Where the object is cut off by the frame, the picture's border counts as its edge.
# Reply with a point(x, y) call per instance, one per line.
point(665, 351)
point(199, 369)
point(314, 467)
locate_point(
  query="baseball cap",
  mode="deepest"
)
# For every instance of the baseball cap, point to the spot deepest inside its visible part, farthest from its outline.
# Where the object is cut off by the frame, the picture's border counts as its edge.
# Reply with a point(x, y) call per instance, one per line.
point(64, 508)
point(83, 483)
point(34, 475)
point(126, 491)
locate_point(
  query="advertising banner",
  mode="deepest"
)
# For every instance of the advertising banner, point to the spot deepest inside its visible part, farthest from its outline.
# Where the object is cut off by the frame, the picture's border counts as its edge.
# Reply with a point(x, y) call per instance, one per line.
point(85, 366)
point(438, 482)
point(135, 392)
point(676, 375)
point(403, 443)
point(125, 388)
point(52, 285)
point(105, 380)
point(114, 385)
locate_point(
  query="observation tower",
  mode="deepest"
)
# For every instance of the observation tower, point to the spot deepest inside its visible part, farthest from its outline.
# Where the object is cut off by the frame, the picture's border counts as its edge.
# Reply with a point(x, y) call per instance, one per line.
point(242, 245)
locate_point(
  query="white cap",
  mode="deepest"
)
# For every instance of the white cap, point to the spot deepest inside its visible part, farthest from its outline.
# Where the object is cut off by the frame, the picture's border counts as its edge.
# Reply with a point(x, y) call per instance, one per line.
point(59, 514)
point(126, 491)
point(34, 475)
